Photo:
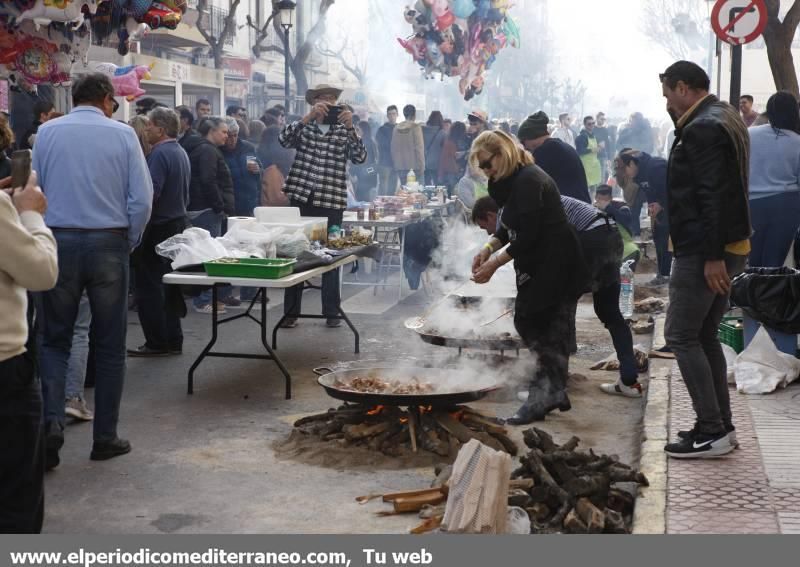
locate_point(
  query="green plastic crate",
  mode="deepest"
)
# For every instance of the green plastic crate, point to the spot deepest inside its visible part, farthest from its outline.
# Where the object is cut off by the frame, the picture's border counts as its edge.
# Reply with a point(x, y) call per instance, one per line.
point(261, 268)
point(731, 333)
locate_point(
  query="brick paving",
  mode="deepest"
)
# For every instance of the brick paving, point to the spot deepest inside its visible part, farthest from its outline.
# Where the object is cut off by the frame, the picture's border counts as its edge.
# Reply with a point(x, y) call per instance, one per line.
point(755, 489)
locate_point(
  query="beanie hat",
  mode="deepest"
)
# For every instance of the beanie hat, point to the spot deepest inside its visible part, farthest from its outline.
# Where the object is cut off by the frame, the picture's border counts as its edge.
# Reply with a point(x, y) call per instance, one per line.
point(534, 126)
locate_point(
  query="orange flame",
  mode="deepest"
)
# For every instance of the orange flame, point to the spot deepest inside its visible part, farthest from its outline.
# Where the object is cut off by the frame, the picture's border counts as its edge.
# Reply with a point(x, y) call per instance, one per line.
point(375, 411)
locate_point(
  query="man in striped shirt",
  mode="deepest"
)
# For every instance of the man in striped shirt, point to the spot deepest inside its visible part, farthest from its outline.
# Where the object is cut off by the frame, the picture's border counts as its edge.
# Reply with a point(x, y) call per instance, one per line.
point(317, 181)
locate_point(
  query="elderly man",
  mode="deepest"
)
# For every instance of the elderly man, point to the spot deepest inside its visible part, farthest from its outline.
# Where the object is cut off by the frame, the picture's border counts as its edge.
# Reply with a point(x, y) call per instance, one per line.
point(101, 195)
point(709, 226)
point(170, 171)
point(317, 182)
point(28, 262)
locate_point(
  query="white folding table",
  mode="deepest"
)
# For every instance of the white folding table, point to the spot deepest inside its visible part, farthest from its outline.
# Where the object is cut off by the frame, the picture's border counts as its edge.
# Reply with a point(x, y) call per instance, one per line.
point(301, 278)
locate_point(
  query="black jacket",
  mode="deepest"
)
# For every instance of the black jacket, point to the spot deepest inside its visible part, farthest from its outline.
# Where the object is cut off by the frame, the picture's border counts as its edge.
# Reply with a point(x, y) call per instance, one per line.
point(707, 181)
point(383, 138)
point(547, 255)
point(5, 165)
point(652, 179)
point(561, 162)
point(211, 186)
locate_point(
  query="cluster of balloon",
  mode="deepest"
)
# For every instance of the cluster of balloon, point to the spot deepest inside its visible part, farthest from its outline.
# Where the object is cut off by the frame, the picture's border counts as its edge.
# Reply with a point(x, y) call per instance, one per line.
point(40, 40)
point(459, 38)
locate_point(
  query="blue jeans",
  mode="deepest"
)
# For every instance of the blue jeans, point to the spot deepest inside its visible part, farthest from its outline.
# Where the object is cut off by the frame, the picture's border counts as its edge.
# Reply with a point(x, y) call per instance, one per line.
point(775, 220)
point(79, 353)
point(96, 262)
point(212, 222)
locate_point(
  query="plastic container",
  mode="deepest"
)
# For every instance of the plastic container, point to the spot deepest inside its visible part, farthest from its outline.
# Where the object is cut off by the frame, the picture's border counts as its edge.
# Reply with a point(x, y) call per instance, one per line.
point(784, 342)
point(276, 214)
point(261, 268)
point(731, 332)
point(626, 290)
point(315, 228)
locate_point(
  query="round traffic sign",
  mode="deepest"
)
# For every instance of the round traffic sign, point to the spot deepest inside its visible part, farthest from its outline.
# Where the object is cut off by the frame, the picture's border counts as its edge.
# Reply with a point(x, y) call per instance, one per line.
point(739, 21)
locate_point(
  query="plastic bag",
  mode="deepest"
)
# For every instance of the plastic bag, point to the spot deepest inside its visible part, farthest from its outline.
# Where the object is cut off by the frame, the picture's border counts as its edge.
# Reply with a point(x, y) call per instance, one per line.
point(192, 246)
point(292, 244)
point(730, 359)
point(519, 523)
point(251, 238)
point(761, 368)
point(770, 296)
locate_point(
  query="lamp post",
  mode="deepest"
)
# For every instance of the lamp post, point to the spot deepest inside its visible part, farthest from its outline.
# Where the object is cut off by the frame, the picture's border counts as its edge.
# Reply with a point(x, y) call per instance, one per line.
point(286, 18)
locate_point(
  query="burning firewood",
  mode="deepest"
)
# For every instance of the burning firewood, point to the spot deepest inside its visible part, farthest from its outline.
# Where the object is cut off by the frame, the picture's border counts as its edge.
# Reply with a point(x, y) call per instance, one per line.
point(576, 491)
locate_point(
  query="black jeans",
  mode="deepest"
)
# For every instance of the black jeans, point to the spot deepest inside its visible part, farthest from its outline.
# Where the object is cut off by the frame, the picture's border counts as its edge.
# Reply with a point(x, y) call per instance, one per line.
point(331, 298)
point(160, 320)
point(693, 318)
point(22, 447)
point(546, 334)
point(661, 241)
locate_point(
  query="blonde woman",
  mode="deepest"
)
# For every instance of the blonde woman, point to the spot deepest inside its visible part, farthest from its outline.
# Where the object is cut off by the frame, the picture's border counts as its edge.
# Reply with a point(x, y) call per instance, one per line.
point(551, 272)
point(139, 125)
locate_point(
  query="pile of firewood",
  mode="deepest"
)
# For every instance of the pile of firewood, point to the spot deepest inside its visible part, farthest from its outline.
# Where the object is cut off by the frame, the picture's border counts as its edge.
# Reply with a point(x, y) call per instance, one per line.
point(575, 491)
point(396, 432)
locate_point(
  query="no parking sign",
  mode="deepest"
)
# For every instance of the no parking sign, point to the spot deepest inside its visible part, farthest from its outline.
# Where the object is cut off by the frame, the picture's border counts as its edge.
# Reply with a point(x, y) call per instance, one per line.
point(739, 21)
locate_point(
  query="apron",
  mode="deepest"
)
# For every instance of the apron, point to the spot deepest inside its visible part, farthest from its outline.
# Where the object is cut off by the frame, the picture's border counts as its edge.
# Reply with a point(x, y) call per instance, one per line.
point(592, 165)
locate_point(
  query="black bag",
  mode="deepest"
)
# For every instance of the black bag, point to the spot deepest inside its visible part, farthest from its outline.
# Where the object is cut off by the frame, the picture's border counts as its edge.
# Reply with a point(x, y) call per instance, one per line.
point(770, 296)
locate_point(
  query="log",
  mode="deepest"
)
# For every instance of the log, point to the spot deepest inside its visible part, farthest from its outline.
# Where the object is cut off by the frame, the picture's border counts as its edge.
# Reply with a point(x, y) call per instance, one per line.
point(615, 523)
point(482, 415)
point(570, 445)
point(588, 485)
point(508, 445)
point(592, 516)
point(620, 501)
point(333, 436)
point(413, 415)
point(392, 496)
point(429, 438)
point(463, 433)
point(541, 475)
point(482, 424)
point(364, 431)
point(538, 511)
point(518, 497)
point(428, 525)
point(330, 414)
point(618, 474)
point(334, 426)
point(523, 483)
point(536, 438)
point(573, 524)
point(376, 442)
point(415, 503)
point(395, 440)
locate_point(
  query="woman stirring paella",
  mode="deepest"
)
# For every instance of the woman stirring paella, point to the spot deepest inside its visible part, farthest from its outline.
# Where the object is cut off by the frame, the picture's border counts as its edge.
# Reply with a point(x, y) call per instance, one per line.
point(550, 268)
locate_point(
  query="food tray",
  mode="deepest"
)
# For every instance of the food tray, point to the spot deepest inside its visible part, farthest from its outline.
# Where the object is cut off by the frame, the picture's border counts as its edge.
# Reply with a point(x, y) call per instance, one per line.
point(731, 334)
point(262, 268)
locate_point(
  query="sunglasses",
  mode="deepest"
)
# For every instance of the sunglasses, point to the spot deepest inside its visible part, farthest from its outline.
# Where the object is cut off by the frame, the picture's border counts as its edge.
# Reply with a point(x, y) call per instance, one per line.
point(487, 163)
point(115, 107)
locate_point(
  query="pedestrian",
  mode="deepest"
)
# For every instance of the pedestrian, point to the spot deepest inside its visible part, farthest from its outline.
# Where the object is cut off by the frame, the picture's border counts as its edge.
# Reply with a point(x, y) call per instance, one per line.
point(211, 195)
point(551, 273)
point(28, 263)
point(383, 140)
point(202, 108)
point(433, 136)
point(236, 112)
point(277, 162)
point(621, 213)
point(636, 134)
point(159, 308)
point(478, 122)
point(749, 114)
point(408, 147)
point(366, 174)
point(649, 173)
point(140, 124)
point(557, 158)
point(588, 149)
point(256, 128)
point(564, 131)
point(145, 105)
point(245, 167)
point(317, 183)
point(453, 161)
point(100, 196)
point(43, 111)
point(775, 181)
point(186, 123)
point(472, 186)
point(709, 223)
point(277, 114)
point(606, 143)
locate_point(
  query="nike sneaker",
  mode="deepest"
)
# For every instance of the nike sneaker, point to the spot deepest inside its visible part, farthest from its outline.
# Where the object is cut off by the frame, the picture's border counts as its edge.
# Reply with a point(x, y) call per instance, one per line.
point(700, 446)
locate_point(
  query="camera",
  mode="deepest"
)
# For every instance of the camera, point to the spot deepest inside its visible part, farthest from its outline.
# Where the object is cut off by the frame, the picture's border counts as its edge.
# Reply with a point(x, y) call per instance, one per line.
point(333, 115)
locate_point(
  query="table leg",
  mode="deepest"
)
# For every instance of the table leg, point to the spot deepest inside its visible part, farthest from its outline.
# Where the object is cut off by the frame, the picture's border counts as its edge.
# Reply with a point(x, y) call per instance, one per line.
point(287, 377)
point(352, 328)
point(282, 319)
point(402, 234)
point(205, 351)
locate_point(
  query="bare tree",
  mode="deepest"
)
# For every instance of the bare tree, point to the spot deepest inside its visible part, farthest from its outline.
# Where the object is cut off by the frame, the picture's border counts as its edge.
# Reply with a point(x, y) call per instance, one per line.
point(676, 25)
point(350, 56)
point(572, 95)
point(778, 37)
point(297, 60)
point(216, 42)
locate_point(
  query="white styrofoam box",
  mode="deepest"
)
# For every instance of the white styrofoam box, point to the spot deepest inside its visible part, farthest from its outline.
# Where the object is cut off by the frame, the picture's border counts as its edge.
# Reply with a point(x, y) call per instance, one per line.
point(277, 214)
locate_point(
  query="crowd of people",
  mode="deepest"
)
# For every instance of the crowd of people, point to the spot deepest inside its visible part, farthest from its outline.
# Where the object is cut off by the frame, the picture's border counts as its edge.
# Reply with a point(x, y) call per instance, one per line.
point(563, 205)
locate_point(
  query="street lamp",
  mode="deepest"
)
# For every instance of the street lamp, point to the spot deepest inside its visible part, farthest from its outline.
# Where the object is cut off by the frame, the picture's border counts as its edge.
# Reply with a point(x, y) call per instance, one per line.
point(285, 10)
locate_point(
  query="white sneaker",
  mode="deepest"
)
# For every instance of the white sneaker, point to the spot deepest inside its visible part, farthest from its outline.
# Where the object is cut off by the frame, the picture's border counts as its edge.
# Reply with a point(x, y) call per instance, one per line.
point(207, 309)
point(620, 389)
point(77, 408)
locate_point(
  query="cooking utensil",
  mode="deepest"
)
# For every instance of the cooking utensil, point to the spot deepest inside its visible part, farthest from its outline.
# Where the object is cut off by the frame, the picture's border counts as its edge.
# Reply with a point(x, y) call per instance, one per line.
point(503, 314)
point(511, 342)
point(415, 323)
point(452, 396)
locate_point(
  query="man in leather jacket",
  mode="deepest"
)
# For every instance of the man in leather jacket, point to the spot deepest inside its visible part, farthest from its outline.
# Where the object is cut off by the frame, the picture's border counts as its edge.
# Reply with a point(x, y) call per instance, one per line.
point(709, 220)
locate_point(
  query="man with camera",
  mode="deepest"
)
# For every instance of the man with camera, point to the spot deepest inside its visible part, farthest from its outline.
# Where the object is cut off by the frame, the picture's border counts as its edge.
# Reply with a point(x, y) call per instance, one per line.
point(28, 262)
point(325, 140)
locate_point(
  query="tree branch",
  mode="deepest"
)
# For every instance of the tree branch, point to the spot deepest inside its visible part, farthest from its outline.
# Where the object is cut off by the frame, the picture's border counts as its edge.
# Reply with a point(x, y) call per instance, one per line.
point(792, 19)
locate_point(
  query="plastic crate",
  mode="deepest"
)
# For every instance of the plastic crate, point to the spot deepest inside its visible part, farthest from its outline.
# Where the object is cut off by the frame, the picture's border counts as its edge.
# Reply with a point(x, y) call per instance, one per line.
point(731, 333)
point(261, 268)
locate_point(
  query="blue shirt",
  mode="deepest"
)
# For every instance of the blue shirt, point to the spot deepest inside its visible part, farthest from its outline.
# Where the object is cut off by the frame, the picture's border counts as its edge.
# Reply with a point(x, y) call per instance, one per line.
point(171, 174)
point(94, 174)
point(774, 161)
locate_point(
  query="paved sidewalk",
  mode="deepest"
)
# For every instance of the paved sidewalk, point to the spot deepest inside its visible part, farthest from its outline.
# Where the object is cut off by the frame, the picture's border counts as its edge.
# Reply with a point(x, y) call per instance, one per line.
point(755, 489)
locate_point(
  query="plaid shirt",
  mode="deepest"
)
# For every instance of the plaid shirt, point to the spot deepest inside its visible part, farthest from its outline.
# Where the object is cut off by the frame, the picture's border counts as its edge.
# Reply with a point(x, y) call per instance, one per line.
point(320, 166)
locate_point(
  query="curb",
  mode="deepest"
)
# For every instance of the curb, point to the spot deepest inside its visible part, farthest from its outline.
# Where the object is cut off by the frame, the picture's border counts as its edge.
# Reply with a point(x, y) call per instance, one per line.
point(650, 513)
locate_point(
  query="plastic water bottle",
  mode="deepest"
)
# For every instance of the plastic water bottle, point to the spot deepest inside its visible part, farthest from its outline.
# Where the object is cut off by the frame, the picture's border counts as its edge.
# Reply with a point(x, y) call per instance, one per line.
point(411, 179)
point(626, 290)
